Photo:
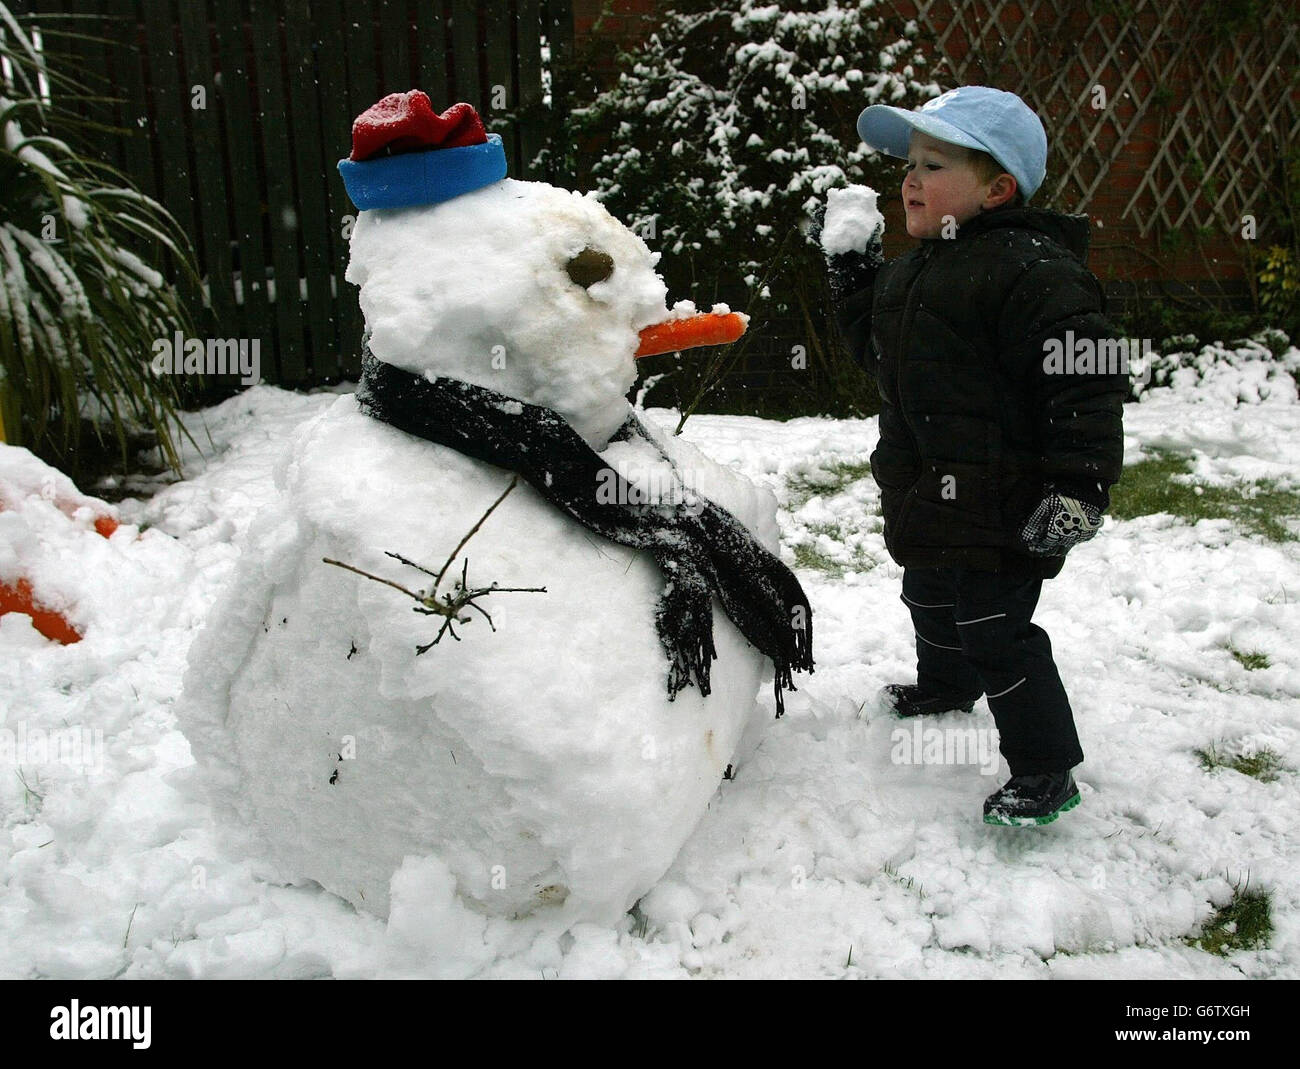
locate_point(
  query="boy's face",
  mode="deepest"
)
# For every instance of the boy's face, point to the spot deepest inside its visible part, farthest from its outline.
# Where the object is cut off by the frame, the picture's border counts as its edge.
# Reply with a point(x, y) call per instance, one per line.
point(940, 181)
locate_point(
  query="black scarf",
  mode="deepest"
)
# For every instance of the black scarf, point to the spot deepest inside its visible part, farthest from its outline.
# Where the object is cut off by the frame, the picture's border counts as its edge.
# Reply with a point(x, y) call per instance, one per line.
point(702, 550)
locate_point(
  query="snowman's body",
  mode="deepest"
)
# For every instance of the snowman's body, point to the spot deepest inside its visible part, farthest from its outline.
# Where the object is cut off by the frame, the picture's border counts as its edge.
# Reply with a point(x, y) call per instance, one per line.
point(541, 762)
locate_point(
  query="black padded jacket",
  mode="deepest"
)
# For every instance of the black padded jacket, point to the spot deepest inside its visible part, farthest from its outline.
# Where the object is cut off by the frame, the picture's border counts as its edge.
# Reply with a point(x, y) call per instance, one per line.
point(975, 424)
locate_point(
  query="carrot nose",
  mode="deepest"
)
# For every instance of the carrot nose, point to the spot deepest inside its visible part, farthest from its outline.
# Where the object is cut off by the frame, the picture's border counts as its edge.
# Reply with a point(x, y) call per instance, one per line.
point(673, 335)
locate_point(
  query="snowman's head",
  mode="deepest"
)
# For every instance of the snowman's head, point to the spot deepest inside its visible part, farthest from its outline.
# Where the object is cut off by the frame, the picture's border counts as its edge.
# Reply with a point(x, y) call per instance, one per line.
point(533, 291)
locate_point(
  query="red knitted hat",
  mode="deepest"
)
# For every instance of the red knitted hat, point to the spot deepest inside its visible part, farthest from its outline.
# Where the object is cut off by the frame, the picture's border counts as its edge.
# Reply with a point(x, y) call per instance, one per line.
point(406, 122)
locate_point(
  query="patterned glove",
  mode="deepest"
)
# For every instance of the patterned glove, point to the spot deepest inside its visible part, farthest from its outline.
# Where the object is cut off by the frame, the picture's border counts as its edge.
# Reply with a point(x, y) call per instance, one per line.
point(1059, 524)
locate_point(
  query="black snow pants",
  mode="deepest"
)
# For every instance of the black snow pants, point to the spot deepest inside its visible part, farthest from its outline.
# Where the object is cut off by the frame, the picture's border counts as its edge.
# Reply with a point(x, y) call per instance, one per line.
point(974, 637)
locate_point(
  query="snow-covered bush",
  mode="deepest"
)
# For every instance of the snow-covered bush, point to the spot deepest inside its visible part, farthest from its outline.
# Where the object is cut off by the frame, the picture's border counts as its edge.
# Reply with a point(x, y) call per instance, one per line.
point(1262, 368)
point(729, 124)
point(80, 303)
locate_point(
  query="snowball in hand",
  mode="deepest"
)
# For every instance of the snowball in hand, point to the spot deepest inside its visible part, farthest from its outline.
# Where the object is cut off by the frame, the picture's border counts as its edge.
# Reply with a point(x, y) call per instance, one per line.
point(853, 221)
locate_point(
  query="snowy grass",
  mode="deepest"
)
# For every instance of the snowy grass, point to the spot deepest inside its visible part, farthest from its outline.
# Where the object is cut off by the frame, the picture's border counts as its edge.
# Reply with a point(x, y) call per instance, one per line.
point(1252, 661)
point(808, 556)
point(1245, 923)
point(1163, 483)
point(825, 479)
point(833, 540)
point(1262, 764)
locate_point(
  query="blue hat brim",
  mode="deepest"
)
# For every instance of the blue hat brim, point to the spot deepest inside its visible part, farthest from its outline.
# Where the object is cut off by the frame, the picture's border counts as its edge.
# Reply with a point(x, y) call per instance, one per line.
point(428, 177)
point(889, 130)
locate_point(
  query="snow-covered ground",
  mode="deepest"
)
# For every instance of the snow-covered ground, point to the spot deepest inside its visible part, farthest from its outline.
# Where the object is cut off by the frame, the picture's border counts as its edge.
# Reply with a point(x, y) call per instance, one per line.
point(828, 855)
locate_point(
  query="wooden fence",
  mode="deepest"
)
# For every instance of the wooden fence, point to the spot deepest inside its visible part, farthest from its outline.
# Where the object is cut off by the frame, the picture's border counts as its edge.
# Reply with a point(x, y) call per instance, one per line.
point(239, 110)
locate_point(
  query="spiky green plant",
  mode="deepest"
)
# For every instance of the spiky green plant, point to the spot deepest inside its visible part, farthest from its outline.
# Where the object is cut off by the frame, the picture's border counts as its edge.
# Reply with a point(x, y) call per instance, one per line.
point(80, 300)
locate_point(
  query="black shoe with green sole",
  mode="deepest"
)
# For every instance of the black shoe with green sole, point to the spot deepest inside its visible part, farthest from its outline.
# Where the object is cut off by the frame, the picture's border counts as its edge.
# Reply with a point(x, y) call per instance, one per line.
point(1029, 800)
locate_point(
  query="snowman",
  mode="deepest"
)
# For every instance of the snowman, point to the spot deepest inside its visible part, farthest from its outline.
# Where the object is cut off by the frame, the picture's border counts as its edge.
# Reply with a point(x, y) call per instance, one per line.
point(546, 706)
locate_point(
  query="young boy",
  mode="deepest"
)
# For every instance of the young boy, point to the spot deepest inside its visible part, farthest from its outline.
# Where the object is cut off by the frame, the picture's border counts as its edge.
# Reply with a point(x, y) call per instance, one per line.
point(992, 461)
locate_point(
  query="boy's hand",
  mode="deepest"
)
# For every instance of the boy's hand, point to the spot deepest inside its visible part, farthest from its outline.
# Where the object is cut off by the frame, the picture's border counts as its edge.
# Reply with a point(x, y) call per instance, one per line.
point(1059, 524)
point(850, 270)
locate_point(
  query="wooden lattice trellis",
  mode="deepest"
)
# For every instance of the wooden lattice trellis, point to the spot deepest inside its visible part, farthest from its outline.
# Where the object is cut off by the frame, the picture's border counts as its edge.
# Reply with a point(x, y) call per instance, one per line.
point(1206, 159)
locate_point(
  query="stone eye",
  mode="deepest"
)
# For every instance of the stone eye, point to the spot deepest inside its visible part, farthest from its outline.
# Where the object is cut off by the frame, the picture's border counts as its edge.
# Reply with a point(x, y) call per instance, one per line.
point(590, 266)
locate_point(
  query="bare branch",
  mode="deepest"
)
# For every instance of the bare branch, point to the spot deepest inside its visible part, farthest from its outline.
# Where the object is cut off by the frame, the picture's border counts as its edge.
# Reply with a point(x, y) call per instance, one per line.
point(450, 605)
point(514, 481)
point(376, 578)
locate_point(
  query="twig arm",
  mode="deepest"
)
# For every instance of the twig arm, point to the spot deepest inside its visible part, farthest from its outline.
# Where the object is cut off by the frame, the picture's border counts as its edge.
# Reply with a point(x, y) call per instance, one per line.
point(514, 481)
point(376, 578)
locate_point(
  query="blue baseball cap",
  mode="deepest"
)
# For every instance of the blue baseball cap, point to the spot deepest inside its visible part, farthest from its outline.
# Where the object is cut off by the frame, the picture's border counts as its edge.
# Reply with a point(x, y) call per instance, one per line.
point(973, 116)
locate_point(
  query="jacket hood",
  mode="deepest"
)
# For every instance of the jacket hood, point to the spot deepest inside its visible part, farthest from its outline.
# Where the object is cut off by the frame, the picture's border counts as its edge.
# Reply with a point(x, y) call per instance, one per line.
point(1071, 232)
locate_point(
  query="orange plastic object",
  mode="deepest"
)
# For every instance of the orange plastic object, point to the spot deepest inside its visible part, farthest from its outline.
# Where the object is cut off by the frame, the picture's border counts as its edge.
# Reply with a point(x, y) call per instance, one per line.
point(49, 623)
point(104, 525)
point(20, 598)
point(674, 335)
